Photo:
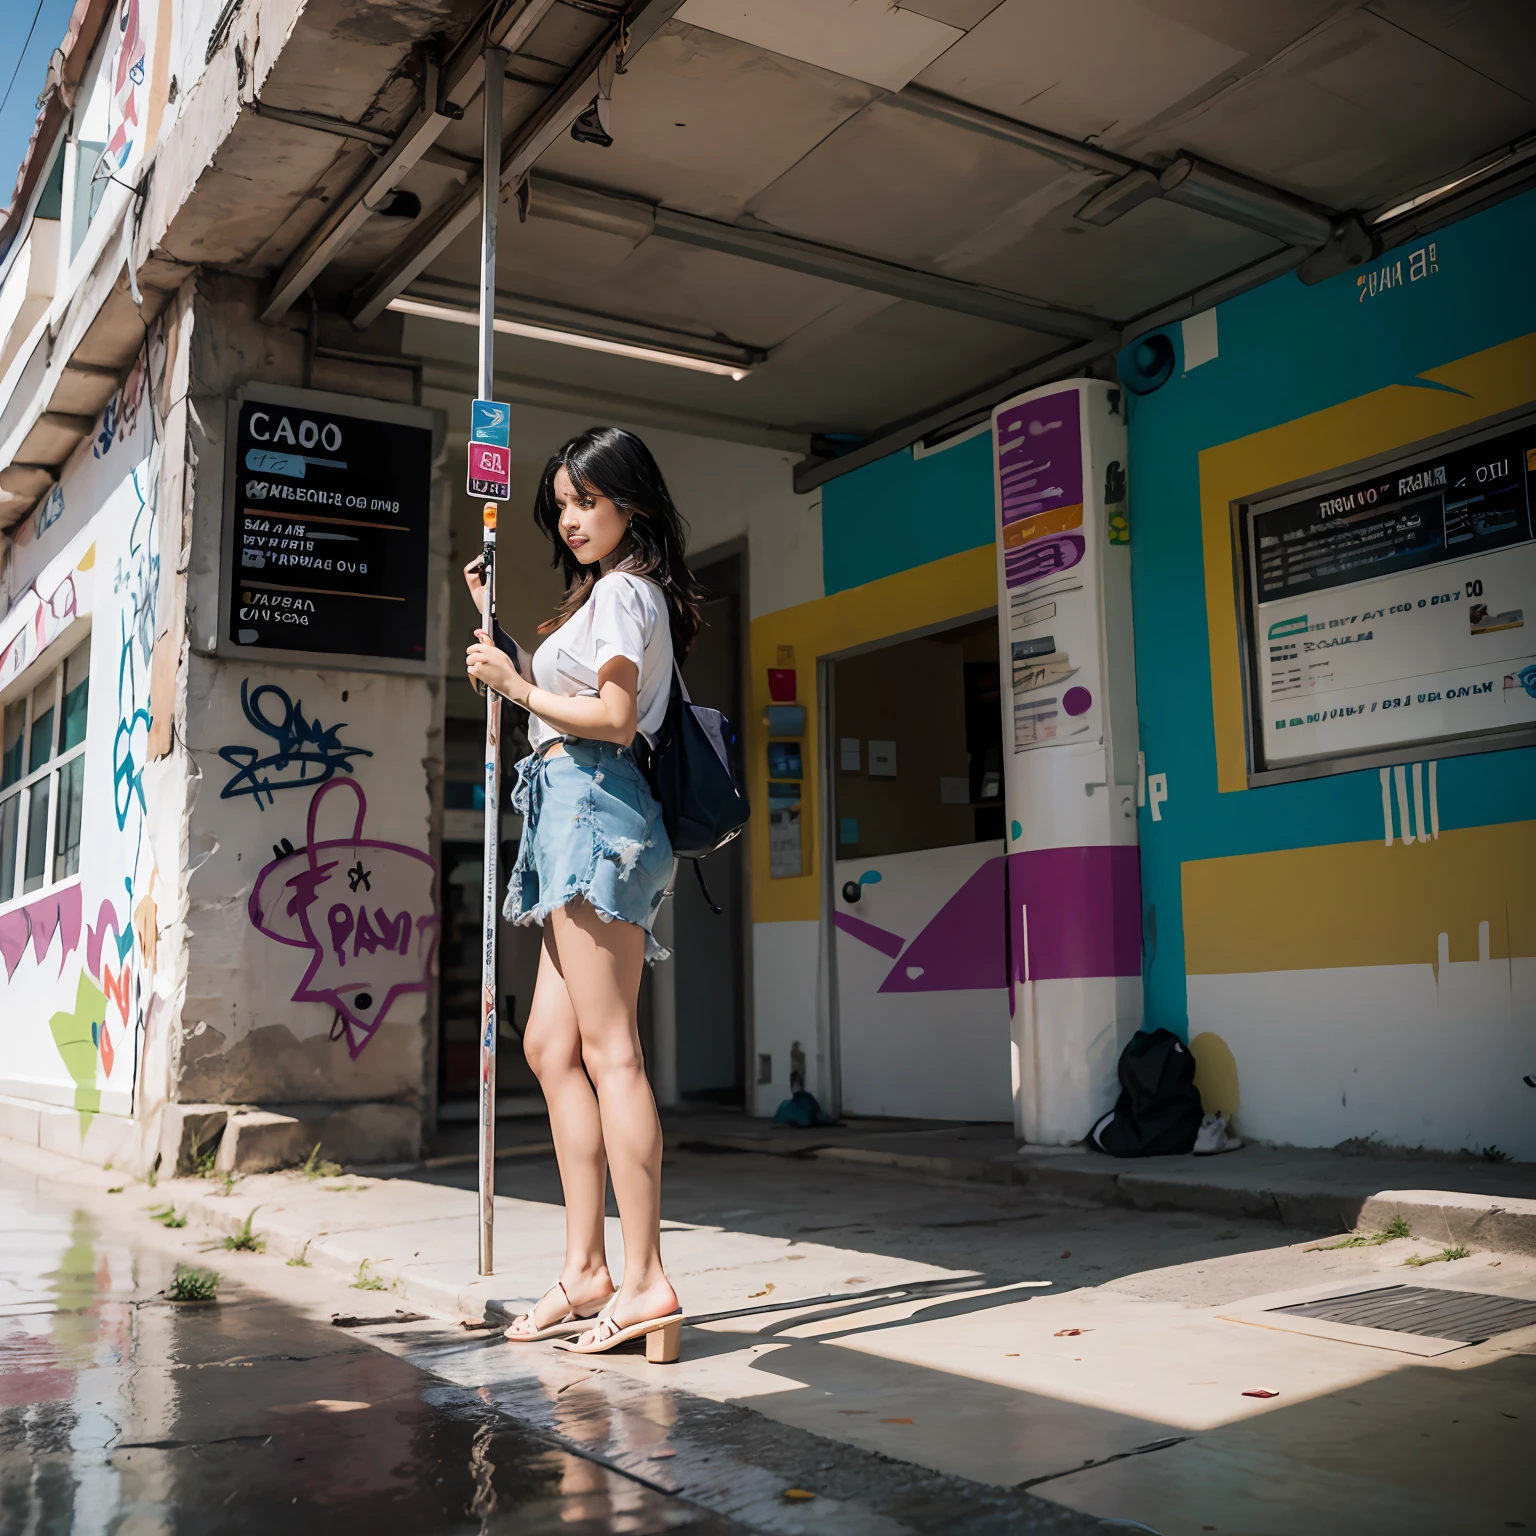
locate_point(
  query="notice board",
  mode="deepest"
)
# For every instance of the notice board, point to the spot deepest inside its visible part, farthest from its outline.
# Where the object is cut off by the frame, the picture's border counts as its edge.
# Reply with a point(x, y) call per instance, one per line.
point(327, 527)
point(1393, 606)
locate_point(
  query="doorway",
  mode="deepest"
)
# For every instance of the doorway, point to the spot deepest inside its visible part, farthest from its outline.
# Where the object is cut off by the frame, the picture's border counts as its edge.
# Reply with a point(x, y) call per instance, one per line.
point(709, 968)
point(916, 769)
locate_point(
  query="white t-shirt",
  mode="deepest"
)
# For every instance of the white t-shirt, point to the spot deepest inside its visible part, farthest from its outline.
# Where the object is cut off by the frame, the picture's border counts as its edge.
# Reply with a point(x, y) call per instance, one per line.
point(626, 615)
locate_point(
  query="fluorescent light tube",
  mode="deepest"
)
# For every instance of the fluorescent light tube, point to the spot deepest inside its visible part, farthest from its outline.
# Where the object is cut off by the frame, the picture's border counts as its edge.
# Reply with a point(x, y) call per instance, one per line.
point(572, 339)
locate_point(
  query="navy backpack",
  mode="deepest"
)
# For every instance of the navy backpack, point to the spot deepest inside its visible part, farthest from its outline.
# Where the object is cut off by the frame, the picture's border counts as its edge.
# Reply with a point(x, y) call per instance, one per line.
point(694, 770)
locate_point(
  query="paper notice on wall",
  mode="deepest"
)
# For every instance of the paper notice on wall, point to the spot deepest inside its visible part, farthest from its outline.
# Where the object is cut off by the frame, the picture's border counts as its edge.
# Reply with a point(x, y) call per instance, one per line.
point(1044, 547)
point(785, 858)
point(1398, 609)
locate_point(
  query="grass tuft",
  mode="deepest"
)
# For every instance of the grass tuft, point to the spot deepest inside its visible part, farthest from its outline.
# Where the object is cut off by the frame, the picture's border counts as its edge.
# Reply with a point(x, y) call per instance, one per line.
point(168, 1216)
point(202, 1159)
point(365, 1281)
point(316, 1167)
point(244, 1239)
point(1445, 1256)
point(1394, 1229)
point(299, 1261)
point(1494, 1154)
point(189, 1284)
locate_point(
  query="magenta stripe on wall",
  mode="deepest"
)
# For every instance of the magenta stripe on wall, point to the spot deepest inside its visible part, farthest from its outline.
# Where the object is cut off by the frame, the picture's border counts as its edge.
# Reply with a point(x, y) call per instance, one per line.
point(1084, 908)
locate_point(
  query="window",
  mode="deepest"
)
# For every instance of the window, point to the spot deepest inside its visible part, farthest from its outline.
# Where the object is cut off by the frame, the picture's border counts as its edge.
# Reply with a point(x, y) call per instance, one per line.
point(42, 778)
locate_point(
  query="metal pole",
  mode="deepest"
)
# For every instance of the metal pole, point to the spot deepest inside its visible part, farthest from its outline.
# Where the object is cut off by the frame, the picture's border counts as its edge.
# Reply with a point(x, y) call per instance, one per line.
point(490, 198)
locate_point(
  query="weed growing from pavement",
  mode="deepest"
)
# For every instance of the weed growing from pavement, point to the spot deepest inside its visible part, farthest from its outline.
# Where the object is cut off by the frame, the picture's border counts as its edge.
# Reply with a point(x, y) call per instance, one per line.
point(190, 1284)
point(153, 1176)
point(201, 1158)
point(168, 1216)
point(317, 1168)
point(1418, 1261)
point(300, 1259)
point(1494, 1154)
point(365, 1281)
point(1394, 1229)
point(243, 1239)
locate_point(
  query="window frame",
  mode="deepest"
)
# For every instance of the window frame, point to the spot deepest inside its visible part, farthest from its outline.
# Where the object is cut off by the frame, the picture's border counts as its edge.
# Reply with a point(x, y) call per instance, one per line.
point(22, 691)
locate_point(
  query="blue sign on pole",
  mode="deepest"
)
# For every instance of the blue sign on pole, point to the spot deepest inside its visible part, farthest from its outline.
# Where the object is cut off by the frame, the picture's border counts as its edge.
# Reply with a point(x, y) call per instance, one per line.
point(490, 421)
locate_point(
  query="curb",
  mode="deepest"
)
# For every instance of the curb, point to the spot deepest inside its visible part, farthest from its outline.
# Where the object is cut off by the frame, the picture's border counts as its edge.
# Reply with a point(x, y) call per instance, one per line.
point(224, 1216)
point(1504, 1223)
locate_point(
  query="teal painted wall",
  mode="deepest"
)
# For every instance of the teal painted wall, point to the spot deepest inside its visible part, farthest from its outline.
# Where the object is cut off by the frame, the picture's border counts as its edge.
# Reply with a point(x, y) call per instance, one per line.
point(901, 511)
point(1287, 350)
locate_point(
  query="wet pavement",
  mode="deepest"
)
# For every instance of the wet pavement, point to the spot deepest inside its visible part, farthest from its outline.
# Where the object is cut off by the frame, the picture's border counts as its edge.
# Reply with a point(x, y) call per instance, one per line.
point(124, 1412)
point(916, 1358)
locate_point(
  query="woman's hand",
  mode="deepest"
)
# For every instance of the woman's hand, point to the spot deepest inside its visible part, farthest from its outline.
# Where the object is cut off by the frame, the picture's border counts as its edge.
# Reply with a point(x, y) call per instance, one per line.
point(486, 664)
point(474, 579)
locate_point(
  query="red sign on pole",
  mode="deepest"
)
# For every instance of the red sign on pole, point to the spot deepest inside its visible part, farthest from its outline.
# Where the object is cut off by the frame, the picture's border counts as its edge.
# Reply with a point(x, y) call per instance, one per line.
point(490, 471)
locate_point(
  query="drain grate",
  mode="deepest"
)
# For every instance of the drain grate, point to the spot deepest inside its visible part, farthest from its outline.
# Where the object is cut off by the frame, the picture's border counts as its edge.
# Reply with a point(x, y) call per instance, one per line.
point(1471, 1317)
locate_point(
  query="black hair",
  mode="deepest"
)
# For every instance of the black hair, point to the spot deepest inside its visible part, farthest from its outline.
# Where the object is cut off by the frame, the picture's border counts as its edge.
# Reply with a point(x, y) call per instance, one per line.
point(608, 461)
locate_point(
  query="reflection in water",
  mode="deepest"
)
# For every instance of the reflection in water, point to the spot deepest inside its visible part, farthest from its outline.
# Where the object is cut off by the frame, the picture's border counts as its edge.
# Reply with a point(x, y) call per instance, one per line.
point(121, 1412)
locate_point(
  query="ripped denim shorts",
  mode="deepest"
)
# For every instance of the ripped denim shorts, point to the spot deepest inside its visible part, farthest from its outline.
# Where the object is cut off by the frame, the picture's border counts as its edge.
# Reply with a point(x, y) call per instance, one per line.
point(591, 829)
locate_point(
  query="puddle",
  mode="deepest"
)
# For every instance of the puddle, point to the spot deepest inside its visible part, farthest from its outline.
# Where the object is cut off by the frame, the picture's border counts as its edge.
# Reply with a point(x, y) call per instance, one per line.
point(121, 1411)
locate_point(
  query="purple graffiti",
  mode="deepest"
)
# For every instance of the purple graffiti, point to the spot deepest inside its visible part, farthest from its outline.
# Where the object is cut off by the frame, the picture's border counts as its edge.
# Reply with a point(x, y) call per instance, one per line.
point(37, 922)
point(367, 946)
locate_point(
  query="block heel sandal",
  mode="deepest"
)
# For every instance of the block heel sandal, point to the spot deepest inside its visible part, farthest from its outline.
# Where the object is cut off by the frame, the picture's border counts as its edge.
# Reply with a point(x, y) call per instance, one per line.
point(572, 1322)
point(663, 1338)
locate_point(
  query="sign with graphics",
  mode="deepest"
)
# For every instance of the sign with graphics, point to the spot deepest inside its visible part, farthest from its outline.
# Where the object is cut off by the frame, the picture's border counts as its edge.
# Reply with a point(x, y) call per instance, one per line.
point(1047, 570)
point(490, 453)
point(328, 532)
point(1389, 608)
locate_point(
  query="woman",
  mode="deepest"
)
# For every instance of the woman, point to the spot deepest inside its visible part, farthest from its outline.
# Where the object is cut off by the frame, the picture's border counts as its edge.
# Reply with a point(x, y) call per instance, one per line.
point(595, 864)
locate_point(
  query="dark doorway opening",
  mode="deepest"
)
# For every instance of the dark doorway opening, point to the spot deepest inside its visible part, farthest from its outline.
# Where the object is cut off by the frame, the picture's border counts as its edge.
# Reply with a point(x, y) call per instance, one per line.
point(710, 963)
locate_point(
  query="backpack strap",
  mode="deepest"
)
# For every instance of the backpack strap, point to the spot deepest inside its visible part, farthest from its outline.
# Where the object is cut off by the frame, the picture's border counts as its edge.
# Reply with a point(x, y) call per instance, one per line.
point(709, 901)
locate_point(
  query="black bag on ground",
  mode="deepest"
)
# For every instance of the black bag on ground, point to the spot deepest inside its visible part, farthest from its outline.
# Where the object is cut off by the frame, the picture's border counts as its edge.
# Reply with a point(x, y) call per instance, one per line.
point(1158, 1111)
point(693, 769)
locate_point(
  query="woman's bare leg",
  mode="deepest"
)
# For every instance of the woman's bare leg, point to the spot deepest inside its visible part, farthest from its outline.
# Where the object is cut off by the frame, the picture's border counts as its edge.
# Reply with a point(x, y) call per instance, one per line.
point(601, 963)
point(552, 1044)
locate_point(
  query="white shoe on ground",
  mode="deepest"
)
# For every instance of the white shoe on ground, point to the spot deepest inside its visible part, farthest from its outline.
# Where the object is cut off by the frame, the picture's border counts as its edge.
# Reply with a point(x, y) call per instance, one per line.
point(1213, 1138)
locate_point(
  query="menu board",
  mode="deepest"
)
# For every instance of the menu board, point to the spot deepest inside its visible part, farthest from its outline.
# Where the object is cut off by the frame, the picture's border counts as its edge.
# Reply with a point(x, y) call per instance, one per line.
point(329, 538)
point(1391, 609)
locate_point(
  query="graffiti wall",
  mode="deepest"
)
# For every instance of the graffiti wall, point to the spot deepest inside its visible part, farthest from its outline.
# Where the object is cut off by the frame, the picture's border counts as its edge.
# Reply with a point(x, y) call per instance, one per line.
point(313, 894)
point(79, 936)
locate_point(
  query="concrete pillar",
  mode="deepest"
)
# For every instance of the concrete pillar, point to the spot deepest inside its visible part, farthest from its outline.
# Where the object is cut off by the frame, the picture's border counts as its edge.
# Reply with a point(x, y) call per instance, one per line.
point(1070, 737)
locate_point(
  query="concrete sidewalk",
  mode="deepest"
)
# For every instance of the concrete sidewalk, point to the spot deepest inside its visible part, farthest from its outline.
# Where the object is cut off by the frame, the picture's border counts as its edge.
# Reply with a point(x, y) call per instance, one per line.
point(1451, 1199)
point(1102, 1356)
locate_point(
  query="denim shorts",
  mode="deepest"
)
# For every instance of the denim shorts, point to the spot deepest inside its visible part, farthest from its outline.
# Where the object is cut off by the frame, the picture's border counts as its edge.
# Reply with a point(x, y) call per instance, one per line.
point(591, 829)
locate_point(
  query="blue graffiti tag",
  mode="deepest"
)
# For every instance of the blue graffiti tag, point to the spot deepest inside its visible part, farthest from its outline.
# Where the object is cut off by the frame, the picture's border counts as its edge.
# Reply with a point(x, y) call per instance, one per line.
point(137, 582)
point(305, 752)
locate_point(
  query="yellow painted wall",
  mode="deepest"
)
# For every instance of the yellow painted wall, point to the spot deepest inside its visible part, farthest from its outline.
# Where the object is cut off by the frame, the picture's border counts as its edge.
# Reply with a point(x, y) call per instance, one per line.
point(944, 590)
point(1356, 904)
